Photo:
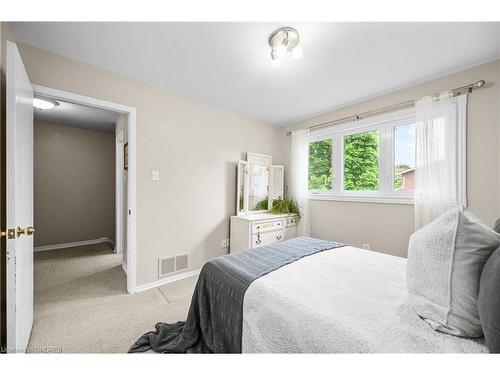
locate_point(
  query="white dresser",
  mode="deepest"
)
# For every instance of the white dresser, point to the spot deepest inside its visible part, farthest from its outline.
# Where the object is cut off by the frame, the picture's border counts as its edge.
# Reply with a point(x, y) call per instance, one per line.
point(260, 184)
point(254, 230)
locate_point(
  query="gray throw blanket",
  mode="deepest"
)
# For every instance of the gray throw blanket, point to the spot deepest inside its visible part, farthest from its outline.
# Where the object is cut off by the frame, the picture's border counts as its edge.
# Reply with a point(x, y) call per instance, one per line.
point(215, 317)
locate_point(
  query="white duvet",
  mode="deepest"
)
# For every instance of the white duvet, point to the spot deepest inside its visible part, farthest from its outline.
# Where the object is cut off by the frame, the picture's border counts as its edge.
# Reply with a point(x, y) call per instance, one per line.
point(345, 300)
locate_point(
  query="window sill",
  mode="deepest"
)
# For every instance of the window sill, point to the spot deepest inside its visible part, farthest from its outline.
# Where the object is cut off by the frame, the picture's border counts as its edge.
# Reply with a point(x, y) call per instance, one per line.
point(409, 200)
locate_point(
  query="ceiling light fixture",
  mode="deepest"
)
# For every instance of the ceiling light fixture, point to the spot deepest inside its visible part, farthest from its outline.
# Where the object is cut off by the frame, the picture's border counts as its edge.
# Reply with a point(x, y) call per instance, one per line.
point(284, 41)
point(44, 104)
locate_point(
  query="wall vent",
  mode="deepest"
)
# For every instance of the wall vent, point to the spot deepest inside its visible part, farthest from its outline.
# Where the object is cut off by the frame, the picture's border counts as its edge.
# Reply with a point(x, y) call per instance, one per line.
point(181, 262)
point(169, 265)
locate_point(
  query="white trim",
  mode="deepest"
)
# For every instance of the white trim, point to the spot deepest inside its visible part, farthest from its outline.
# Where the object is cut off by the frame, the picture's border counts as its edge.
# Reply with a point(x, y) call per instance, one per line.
point(119, 192)
point(74, 244)
point(167, 280)
point(362, 199)
point(132, 167)
point(400, 117)
point(124, 266)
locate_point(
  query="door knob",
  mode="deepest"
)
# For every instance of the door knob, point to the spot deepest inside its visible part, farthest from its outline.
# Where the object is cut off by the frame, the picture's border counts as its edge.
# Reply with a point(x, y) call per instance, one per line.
point(10, 234)
point(28, 231)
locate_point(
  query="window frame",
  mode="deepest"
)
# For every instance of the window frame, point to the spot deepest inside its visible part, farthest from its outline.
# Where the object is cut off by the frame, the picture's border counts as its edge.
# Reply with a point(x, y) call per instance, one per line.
point(385, 124)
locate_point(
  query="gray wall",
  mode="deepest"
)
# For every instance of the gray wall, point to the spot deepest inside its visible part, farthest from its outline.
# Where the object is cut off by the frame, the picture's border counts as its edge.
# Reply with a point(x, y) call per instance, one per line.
point(387, 227)
point(195, 146)
point(74, 193)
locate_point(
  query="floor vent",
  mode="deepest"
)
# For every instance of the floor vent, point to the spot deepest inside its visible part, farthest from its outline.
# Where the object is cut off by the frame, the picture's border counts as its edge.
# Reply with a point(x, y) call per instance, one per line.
point(169, 265)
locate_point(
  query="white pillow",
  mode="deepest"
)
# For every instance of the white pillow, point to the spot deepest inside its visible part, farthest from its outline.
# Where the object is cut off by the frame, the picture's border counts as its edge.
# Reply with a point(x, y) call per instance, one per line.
point(445, 261)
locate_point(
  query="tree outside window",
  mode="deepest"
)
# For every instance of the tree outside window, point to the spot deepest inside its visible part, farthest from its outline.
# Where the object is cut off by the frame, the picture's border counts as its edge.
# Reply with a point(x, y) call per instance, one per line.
point(361, 161)
point(320, 165)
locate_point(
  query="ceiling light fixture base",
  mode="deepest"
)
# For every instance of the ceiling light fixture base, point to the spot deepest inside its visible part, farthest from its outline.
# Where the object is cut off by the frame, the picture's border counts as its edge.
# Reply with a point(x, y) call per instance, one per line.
point(284, 40)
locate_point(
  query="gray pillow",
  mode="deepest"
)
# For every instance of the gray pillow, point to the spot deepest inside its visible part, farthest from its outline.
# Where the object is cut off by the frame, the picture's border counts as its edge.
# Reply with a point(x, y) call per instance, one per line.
point(445, 262)
point(496, 226)
point(489, 302)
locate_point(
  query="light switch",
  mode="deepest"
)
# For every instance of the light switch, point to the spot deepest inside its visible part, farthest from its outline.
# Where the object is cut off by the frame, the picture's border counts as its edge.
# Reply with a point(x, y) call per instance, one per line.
point(155, 175)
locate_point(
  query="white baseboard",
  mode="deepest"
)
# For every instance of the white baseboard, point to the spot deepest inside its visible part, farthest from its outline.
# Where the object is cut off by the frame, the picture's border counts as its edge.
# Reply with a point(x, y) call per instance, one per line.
point(74, 244)
point(167, 280)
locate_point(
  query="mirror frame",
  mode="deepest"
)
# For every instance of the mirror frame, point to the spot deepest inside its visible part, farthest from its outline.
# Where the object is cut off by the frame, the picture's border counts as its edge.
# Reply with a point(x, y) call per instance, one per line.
point(244, 165)
point(260, 159)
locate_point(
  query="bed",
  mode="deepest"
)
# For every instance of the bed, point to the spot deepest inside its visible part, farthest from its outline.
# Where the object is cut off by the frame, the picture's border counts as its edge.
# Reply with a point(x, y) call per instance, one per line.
point(346, 300)
point(302, 296)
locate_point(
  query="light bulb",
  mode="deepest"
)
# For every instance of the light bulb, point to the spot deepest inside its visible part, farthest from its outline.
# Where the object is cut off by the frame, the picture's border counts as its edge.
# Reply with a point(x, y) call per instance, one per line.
point(281, 51)
point(43, 104)
point(297, 52)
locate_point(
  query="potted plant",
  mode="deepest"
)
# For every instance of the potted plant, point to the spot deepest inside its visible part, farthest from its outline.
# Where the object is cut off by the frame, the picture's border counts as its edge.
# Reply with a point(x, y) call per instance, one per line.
point(286, 206)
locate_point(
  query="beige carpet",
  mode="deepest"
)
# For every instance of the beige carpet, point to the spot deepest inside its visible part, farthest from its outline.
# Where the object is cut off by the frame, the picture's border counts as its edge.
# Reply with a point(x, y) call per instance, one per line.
point(81, 303)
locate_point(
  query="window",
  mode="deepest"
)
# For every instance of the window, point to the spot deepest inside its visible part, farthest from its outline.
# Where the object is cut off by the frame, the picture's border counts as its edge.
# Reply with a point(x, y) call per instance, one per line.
point(361, 161)
point(320, 165)
point(373, 159)
point(404, 157)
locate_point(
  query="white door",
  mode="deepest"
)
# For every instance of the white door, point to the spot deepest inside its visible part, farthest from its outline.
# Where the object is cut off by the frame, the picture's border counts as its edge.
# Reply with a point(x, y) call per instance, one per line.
point(19, 202)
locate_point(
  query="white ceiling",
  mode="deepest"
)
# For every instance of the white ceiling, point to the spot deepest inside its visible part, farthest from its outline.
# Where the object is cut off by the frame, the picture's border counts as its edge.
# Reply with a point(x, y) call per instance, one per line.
point(228, 64)
point(80, 116)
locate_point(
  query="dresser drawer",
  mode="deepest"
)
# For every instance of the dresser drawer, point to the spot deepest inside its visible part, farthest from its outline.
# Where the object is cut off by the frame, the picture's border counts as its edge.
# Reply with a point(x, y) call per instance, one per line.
point(267, 238)
point(290, 222)
point(266, 226)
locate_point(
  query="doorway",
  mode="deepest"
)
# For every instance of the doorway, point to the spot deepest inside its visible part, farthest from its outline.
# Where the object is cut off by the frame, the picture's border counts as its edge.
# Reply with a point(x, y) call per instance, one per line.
point(125, 172)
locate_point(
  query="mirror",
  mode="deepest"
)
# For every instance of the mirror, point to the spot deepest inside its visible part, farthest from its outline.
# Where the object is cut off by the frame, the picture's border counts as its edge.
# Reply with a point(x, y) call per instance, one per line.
point(257, 180)
point(277, 182)
point(259, 167)
point(259, 185)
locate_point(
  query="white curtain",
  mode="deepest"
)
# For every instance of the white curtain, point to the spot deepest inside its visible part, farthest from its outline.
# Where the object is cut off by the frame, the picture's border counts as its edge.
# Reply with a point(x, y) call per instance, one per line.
point(436, 172)
point(299, 166)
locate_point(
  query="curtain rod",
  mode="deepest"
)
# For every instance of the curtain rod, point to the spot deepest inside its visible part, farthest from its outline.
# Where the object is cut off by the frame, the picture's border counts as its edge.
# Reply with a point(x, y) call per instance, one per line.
point(407, 104)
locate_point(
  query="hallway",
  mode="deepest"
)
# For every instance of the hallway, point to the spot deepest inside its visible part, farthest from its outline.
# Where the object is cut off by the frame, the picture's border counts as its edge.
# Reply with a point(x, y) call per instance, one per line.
point(81, 303)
